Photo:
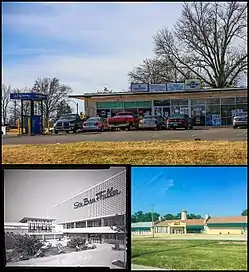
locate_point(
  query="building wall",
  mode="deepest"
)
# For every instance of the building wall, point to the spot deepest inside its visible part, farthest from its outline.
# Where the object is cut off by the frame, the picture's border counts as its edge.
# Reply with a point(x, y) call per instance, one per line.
point(224, 230)
point(66, 211)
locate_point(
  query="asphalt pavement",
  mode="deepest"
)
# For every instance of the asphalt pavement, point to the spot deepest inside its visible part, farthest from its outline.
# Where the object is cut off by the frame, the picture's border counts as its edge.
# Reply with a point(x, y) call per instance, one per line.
point(208, 134)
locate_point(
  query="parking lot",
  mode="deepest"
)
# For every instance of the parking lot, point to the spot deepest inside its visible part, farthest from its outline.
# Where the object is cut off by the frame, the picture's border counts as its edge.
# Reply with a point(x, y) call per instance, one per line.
point(209, 134)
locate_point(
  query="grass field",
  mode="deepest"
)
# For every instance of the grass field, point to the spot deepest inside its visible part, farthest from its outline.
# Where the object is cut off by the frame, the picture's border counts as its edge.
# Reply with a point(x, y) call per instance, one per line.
point(151, 152)
point(190, 254)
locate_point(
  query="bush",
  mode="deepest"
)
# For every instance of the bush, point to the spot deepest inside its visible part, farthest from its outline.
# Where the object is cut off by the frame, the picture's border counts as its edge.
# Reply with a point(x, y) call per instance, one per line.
point(27, 245)
point(76, 241)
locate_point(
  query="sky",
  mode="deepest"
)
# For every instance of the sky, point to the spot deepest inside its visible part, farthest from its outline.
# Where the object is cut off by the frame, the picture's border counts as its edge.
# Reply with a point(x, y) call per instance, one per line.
point(217, 191)
point(33, 193)
point(88, 46)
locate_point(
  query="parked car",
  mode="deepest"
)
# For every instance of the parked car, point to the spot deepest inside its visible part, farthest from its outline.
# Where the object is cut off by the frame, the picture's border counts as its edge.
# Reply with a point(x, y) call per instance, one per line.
point(153, 122)
point(67, 123)
point(95, 124)
point(240, 121)
point(179, 121)
point(123, 120)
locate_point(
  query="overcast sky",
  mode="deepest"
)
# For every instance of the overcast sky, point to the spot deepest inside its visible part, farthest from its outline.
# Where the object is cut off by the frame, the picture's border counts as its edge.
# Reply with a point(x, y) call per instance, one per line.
point(86, 45)
point(33, 193)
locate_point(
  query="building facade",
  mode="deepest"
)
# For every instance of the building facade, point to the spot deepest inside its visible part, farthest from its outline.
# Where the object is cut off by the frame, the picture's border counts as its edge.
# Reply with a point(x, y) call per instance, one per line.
point(97, 213)
point(210, 107)
point(141, 227)
point(208, 225)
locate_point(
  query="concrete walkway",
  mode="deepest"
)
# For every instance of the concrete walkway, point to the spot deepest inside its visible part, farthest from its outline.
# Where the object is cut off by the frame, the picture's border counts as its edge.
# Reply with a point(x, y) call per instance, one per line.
point(103, 255)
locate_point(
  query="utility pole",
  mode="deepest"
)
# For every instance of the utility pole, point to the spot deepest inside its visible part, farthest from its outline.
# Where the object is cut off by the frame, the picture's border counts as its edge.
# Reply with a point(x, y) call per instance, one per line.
point(152, 220)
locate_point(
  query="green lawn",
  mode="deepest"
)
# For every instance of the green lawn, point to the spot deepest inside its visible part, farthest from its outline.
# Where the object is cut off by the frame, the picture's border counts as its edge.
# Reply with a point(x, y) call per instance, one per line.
point(190, 254)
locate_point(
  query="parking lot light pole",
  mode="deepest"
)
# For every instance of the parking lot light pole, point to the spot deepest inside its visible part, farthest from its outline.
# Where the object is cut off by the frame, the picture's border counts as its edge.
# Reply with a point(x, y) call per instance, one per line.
point(152, 219)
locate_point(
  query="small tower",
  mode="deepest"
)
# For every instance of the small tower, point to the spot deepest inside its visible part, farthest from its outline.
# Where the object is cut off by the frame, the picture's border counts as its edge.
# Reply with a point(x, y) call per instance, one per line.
point(184, 215)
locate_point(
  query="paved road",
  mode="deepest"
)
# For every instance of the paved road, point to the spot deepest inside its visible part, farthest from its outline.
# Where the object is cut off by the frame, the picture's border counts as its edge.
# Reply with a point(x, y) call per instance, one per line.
point(212, 134)
point(101, 256)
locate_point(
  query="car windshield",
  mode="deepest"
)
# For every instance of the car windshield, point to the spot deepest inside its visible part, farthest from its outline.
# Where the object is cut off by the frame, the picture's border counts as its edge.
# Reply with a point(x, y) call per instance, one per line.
point(68, 117)
point(93, 119)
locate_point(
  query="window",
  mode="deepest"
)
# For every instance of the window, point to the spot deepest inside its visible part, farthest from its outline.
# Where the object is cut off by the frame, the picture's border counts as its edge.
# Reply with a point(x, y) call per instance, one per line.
point(163, 103)
point(179, 102)
point(228, 101)
point(198, 102)
point(241, 100)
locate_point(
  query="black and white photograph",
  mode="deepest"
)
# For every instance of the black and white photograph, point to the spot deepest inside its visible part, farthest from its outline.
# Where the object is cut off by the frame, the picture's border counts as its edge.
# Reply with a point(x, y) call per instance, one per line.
point(65, 217)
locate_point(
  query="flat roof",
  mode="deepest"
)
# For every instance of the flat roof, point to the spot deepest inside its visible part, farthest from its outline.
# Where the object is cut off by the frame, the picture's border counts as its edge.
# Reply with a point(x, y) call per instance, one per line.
point(89, 95)
point(25, 219)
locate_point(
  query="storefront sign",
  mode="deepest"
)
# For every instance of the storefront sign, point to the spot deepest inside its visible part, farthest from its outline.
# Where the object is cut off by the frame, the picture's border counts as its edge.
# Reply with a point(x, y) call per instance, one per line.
point(155, 88)
point(175, 87)
point(139, 87)
point(28, 96)
point(216, 120)
point(99, 196)
point(192, 84)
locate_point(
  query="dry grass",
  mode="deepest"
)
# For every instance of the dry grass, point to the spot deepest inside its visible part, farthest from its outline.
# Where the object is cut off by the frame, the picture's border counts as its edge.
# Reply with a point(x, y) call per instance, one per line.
point(151, 152)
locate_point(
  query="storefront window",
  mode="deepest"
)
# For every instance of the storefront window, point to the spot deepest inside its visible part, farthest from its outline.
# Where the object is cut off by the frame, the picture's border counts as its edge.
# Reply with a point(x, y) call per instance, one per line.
point(163, 103)
point(240, 108)
point(179, 102)
point(228, 101)
point(213, 117)
point(198, 102)
point(227, 113)
point(213, 101)
point(241, 100)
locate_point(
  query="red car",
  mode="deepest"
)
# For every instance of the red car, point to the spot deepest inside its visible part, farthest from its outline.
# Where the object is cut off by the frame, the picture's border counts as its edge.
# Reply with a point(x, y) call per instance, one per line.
point(179, 121)
point(95, 124)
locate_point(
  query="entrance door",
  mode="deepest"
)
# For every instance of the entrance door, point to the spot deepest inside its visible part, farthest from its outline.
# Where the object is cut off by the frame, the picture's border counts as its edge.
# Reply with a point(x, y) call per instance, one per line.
point(164, 111)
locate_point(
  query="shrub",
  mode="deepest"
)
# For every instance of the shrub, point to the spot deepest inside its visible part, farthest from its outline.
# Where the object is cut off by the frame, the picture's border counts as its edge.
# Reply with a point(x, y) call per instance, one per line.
point(27, 245)
point(76, 241)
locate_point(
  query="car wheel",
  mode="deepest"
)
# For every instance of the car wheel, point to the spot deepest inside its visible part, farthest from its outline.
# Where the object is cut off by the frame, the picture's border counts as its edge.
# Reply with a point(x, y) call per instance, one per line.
point(174, 128)
point(67, 131)
point(102, 129)
point(234, 127)
point(186, 128)
point(56, 132)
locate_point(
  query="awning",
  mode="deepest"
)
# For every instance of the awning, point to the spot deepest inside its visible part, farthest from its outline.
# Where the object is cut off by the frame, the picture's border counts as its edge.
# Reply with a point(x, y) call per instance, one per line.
point(90, 230)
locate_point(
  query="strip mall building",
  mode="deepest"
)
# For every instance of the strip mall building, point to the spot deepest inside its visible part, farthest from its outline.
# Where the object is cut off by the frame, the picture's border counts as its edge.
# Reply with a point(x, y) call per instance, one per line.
point(208, 225)
point(212, 107)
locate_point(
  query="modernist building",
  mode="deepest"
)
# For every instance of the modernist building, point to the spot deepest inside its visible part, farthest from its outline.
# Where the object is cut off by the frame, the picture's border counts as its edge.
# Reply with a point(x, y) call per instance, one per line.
point(96, 212)
point(211, 107)
point(42, 228)
point(208, 225)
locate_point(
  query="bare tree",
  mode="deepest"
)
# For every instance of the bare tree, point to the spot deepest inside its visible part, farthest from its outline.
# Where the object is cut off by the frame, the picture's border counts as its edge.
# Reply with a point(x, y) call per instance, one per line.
point(6, 90)
point(209, 40)
point(55, 92)
point(156, 71)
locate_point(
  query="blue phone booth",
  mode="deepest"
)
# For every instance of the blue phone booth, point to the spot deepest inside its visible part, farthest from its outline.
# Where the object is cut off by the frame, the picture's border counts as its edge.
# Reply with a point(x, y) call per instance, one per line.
point(35, 119)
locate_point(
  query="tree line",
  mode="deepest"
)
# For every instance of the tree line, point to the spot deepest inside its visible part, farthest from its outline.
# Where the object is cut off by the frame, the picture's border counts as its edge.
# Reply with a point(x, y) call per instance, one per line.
point(208, 42)
point(57, 102)
point(147, 217)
